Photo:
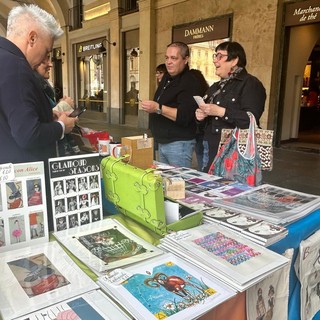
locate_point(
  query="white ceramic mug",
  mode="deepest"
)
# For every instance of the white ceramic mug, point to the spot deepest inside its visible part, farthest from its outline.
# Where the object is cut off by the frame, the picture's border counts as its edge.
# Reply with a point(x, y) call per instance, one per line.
point(115, 150)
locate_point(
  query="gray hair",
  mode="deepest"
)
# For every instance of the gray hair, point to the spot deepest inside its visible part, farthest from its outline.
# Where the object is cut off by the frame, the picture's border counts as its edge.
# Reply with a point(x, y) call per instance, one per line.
point(21, 16)
point(184, 49)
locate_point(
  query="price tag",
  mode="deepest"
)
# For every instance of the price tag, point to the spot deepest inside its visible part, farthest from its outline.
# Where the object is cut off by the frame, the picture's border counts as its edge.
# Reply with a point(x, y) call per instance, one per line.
point(6, 172)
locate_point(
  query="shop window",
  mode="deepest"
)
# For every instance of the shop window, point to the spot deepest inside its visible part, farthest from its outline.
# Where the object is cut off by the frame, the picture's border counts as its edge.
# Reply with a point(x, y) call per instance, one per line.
point(92, 82)
point(204, 62)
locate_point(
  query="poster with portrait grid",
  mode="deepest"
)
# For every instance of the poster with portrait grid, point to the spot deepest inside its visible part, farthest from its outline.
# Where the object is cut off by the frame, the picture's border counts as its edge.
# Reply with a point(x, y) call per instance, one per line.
point(75, 184)
point(23, 206)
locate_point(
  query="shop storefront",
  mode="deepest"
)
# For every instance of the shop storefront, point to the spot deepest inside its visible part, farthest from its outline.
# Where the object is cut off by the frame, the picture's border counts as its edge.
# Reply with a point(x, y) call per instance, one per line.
point(91, 68)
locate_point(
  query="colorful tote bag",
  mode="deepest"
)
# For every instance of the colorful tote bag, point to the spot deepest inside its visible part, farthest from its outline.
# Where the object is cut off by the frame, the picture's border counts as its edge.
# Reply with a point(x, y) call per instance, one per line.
point(264, 142)
point(241, 165)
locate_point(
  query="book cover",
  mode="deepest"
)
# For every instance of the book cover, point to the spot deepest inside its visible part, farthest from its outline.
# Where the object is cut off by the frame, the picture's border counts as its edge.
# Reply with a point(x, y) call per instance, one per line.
point(33, 277)
point(165, 287)
point(23, 206)
point(75, 184)
point(105, 245)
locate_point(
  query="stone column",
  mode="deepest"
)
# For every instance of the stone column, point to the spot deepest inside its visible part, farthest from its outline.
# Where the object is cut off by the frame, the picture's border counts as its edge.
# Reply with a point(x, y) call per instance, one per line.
point(147, 56)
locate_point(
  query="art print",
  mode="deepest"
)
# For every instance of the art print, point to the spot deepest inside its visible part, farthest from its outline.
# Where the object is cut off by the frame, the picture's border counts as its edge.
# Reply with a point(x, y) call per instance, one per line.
point(23, 219)
point(268, 299)
point(308, 265)
point(37, 275)
point(14, 195)
point(105, 245)
point(76, 188)
point(165, 287)
point(93, 305)
point(34, 191)
point(226, 248)
point(111, 245)
point(168, 290)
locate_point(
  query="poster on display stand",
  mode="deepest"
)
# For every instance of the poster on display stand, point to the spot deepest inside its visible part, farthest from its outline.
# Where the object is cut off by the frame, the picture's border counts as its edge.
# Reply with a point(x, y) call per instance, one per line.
point(75, 184)
point(23, 206)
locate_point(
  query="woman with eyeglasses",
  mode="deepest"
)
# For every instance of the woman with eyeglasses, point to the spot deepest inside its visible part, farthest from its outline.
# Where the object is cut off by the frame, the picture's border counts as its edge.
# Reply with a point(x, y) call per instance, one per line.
point(228, 100)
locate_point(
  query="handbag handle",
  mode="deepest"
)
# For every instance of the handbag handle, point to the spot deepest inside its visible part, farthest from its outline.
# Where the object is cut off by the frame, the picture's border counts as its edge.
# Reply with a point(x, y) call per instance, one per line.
point(250, 150)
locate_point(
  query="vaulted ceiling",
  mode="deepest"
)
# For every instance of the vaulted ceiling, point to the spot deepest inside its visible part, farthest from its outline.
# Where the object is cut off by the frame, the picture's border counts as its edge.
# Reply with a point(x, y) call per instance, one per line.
point(58, 8)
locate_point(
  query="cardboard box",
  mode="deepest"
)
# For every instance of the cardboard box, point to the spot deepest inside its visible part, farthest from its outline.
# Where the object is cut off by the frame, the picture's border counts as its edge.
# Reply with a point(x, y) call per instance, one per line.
point(140, 150)
point(174, 187)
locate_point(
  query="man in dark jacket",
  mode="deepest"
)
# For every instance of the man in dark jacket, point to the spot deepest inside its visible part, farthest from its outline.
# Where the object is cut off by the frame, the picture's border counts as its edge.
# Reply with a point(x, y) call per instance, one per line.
point(172, 120)
point(27, 130)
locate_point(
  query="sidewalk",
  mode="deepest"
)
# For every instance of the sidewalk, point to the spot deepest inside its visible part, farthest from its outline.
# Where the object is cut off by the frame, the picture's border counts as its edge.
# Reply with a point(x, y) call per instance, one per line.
point(292, 168)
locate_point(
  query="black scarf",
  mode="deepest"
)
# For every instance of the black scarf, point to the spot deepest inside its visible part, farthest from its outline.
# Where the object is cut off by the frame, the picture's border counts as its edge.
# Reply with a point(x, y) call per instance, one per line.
point(208, 98)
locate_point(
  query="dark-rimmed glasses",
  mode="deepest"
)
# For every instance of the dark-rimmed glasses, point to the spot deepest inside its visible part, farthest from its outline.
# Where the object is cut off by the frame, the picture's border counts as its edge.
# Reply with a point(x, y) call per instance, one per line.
point(218, 56)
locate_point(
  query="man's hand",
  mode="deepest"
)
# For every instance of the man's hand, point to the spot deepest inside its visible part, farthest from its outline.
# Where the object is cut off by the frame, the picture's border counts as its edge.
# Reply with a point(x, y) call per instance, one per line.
point(69, 122)
point(150, 106)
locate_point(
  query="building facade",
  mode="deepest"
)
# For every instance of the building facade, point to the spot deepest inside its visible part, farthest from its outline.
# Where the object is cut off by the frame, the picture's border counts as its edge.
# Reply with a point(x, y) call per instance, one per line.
point(107, 57)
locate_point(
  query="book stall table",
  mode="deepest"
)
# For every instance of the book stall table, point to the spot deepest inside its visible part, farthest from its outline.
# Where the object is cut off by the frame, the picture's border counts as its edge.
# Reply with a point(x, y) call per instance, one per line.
point(236, 306)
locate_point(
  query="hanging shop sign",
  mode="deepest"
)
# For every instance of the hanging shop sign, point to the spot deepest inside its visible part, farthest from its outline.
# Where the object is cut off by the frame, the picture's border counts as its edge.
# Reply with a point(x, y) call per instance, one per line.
point(304, 12)
point(89, 47)
point(201, 31)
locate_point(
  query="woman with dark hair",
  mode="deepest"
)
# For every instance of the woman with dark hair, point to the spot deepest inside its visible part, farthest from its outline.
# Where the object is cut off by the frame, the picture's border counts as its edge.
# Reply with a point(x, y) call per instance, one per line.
point(228, 100)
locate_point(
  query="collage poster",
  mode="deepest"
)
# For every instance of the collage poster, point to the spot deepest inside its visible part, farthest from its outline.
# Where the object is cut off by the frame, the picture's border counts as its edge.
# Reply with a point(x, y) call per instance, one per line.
point(23, 207)
point(75, 184)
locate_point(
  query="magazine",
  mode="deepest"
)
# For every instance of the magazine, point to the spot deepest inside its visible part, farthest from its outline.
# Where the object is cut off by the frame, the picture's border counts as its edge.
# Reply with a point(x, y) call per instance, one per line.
point(34, 276)
point(227, 255)
point(93, 305)
point(23, 206)
point(257, 230)
point(165, 287)
point(271, 203)
point(105, 245)
point(75, 184)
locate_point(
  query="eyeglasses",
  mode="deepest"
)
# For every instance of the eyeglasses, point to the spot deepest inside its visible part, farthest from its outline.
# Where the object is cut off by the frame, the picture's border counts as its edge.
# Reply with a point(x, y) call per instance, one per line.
point(218, 56)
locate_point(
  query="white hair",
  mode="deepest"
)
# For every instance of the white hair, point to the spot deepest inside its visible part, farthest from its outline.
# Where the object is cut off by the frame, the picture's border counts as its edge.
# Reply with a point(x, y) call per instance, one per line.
point(22, 16)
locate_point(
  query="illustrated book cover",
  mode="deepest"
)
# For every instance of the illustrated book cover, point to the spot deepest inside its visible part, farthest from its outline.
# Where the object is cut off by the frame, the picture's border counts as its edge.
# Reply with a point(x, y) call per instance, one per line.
point(93, 305)
point(23, 205)
point(33, 277)
point(233, 259)
point(165, 287)
point(105, 245)
point(75, 184)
